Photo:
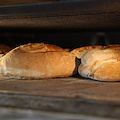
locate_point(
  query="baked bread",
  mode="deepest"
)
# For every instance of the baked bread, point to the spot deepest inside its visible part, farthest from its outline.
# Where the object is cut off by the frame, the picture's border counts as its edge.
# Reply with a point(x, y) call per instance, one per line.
point(4, 49)
point(101, 64)
point(114, 46)
point(36, 61)
point(79, 52)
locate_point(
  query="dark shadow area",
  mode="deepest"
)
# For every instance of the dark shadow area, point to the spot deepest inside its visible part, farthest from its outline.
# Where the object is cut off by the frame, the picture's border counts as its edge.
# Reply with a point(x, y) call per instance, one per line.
point(63, 38)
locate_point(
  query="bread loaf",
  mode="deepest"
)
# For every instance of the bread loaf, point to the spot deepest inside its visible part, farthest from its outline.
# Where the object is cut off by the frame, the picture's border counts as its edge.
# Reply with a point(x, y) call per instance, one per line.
point(36, 61)
point(101, 64)
point(4, 49)
point(79, 52)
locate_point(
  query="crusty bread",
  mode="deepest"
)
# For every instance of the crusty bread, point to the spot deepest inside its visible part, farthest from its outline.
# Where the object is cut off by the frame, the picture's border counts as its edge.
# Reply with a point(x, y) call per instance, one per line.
point(4, 49)
point(79, 52)
point(114, 46)
point(36, 61)
point(101, 64)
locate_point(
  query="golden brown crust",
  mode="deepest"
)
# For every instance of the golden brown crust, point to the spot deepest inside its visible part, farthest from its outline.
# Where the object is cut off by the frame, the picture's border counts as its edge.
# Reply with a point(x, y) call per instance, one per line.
point(114, 46)
point(101, 64)
point(79, 52)
point(36, 61)
point(38, 47)
point(109, 71)
point(4, 49)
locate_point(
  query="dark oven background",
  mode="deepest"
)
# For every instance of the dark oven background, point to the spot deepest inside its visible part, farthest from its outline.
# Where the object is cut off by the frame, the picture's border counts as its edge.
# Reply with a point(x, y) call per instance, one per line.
point(67, 23)
point(63, 38)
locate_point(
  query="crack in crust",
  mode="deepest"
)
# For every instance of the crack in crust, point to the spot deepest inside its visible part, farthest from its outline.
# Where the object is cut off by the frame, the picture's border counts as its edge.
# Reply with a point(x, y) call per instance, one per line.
point(97, 65)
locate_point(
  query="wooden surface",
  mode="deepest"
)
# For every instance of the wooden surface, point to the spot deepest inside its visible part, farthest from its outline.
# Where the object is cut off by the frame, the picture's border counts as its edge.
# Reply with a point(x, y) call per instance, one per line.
point(71, 95)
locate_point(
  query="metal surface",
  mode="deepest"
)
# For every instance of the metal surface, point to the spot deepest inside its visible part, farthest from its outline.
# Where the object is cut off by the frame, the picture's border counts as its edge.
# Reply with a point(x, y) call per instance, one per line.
point(78, 14)
point(21, 2)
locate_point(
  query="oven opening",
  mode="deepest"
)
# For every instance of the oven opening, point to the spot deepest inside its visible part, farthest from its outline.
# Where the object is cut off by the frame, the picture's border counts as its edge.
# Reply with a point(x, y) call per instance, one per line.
point(93, 92)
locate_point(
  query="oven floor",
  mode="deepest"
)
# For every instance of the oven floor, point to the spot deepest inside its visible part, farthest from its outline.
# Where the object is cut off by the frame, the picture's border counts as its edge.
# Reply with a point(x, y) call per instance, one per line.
point(68, 95)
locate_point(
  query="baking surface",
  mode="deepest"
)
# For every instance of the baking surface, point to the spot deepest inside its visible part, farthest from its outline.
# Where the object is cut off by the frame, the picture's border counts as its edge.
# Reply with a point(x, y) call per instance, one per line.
point(63, 87)
point(69, 95)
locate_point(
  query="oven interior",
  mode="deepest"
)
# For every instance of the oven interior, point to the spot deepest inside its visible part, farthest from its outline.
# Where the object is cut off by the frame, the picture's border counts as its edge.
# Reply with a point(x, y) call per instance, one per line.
point(64, 38)
point(68, 24)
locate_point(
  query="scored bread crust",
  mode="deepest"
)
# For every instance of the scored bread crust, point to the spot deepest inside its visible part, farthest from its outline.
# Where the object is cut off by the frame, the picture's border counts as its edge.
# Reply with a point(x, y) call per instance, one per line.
point(79, 52)
point(4, 49)
point(110, 71)
point(36, 61)
point(101, 64)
